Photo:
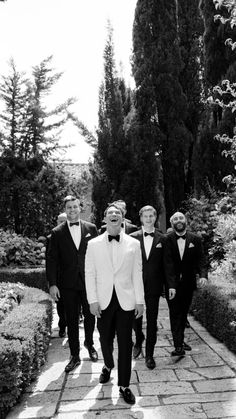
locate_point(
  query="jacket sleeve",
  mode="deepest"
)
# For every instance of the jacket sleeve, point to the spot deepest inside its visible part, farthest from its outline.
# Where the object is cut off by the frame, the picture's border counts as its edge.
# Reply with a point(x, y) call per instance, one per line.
point(138, 274)
point(169, 270)
point(52, 260)
point(90, 275)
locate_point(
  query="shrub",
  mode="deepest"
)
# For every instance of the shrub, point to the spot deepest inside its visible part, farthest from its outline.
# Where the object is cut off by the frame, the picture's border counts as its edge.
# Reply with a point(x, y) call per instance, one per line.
point(31, 277)
point(24, 339)
point(214, 305)
point(17, 250)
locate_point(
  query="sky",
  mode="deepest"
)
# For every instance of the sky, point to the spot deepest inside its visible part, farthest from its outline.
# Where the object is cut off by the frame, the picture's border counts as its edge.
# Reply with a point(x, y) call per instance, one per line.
point(74, 32)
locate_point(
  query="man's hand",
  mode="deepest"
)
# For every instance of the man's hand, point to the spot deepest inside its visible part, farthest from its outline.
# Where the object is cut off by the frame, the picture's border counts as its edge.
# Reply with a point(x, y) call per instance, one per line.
point(202, 282)
point(138, 310)
point(54, 292)
point(172, 293)
point(95, 309)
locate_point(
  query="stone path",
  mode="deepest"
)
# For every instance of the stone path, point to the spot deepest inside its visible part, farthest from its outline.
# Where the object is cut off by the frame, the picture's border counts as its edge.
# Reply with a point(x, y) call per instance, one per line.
point(200, 385)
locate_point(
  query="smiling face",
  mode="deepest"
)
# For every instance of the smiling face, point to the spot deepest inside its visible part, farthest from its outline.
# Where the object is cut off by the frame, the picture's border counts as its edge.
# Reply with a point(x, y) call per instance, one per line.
point(178, 222)
point(148, 219)
point(113, 219)
point(72, 210)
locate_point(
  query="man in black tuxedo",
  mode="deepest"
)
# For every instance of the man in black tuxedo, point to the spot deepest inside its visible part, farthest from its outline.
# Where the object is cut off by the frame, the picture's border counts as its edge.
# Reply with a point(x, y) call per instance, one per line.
point(152, 244)
point(188, 261)
point(127, 226)
point(66, 254)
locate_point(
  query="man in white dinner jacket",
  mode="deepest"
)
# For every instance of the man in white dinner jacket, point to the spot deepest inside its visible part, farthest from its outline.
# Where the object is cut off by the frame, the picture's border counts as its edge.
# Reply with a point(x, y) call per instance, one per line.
point(114, 286)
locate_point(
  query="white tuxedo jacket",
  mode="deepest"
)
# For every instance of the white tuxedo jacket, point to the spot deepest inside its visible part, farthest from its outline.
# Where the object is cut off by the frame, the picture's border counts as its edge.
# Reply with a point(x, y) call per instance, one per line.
point(101, 277)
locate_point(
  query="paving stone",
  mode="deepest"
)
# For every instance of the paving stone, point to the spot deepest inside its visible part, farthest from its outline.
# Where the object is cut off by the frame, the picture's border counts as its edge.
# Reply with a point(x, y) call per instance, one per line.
point(161, 388)
point(207, 359)
point(209, 386)
point(156, 375)
point(50, 379)
point(220, 409)
point(161, 412)
point(199, 397)
point(206, 372)
point(84, 379)
point(36, 405)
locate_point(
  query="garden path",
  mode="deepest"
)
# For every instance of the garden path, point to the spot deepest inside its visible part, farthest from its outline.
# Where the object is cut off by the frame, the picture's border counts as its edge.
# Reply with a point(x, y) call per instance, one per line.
point(200, 385)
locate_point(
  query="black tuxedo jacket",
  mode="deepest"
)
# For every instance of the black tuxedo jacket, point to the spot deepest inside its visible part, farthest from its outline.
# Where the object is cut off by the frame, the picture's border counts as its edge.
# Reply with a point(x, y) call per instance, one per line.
point(153, 267)
point(129, 228)
point(64, 257)
point(193, 261)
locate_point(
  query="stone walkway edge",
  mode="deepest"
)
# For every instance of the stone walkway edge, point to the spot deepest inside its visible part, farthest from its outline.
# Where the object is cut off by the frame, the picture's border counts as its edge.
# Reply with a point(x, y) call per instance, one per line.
point(202, 384)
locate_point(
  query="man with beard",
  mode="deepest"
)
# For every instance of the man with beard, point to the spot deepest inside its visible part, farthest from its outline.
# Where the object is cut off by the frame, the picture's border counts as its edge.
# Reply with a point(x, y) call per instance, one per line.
point(188, 262)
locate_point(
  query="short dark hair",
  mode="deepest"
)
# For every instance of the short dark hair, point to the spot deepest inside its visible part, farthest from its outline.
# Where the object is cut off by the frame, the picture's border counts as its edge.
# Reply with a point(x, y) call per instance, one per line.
point(116, 206)
point(70, 198)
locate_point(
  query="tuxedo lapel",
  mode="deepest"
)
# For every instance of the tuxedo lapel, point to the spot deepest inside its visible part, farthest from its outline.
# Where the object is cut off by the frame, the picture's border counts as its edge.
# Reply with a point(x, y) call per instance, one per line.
point(68, 236)
point(154, 243)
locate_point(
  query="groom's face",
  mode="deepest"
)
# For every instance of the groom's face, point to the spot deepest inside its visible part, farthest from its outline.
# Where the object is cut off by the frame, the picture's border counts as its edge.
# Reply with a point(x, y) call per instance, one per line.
point(114, 217)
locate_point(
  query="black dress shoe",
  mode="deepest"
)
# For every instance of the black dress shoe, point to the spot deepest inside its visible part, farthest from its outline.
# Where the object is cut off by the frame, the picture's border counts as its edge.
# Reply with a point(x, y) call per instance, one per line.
point(127, 395)
point(62, 333)
point(179, 351)
point(74, 362)
point(104, 376)
point(93, 355)
point(186, 347)
point(150, 363)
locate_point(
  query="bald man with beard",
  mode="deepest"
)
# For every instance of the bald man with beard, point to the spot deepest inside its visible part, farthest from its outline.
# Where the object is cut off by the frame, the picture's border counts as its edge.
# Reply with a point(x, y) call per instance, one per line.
point(188, 263)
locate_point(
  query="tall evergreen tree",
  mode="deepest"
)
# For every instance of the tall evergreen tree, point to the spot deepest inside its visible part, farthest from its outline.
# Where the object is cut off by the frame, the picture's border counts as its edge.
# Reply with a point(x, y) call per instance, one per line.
point(160, 98)
point(30, 133)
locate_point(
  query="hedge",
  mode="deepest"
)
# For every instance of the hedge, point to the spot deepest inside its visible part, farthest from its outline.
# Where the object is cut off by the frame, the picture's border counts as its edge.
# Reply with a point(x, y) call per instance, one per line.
point(24, 339)
point(214, 305)
point(31, 277)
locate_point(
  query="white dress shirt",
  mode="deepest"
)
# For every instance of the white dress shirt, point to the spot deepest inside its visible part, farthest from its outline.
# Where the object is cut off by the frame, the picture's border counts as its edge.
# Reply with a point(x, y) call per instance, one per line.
point(147, 241)
point(181, 245)
point(113, 248)
point(75, 232)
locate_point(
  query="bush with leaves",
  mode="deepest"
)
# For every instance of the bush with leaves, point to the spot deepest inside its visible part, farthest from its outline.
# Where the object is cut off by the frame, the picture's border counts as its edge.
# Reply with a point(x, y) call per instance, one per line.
point(16, 250)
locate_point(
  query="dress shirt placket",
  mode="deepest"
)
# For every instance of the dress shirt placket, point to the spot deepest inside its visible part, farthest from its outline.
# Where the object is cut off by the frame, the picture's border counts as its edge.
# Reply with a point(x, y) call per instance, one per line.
point(181, 246)
point(148, 240)
point(75, 232)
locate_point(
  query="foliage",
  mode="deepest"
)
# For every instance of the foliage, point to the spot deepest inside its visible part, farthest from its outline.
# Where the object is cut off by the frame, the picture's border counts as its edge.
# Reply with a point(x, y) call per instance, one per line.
point(24, 339)
point(32, 188)
point(214, 305)
point(16, 250)
point(164, 46)
point(10, 296)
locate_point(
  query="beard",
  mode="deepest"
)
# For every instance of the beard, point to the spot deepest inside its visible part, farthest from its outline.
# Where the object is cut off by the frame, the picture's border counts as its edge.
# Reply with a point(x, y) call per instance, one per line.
point(179, 227)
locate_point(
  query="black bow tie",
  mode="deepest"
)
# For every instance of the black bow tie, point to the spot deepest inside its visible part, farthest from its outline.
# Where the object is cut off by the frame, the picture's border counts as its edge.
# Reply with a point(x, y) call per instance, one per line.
point(110, 238)
point(148, 234)
point(181, 237)
point(74, 224)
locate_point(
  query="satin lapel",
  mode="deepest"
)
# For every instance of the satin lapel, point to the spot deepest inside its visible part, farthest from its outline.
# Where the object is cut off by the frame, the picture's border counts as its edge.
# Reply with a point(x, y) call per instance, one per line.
point(186, 246)
point(68, 236)
point(154, 242)
point(140, 239)
point(175, 244)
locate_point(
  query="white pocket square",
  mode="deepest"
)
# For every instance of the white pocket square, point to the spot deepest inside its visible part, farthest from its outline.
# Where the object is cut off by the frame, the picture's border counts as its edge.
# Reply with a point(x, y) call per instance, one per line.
point(159, 245)
point(88, 235)
point(191, 245)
